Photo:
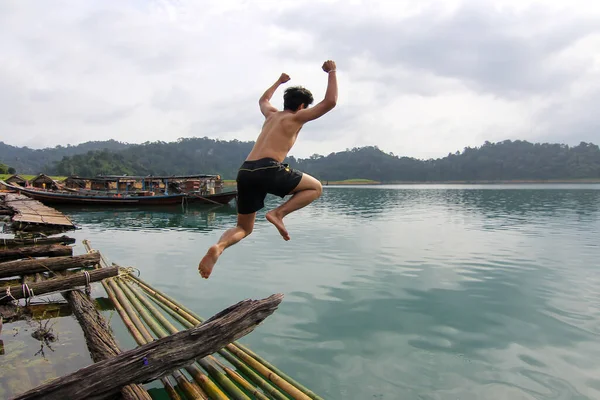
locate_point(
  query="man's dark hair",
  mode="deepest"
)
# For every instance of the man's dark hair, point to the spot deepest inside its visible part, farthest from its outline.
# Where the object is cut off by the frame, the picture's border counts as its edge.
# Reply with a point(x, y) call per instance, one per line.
point(295, 96)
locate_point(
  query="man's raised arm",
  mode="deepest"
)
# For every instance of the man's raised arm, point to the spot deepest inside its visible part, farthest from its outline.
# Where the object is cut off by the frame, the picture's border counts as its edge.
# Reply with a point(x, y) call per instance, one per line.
point(265, 106)
point(330, 100)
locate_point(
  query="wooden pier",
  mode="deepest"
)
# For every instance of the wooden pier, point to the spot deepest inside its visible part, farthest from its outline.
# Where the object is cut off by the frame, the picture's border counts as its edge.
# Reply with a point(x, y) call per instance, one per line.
point(28, 212)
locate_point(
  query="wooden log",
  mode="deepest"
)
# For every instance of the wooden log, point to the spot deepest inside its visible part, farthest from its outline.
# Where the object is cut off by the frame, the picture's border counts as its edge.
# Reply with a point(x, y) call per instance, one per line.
point(50, 250)
point(154, 360)
point(100, 341)
point(57, 284)
point(23, 267)
point(37, 241)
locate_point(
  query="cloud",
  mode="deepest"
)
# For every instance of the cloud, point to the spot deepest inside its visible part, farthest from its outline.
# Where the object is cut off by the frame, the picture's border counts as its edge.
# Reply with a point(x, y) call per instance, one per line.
point(503, 52)
point(418, 79)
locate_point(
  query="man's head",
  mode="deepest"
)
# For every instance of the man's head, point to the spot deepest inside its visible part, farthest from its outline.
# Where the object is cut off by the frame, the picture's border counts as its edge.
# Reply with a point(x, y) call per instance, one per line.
point(296, 98)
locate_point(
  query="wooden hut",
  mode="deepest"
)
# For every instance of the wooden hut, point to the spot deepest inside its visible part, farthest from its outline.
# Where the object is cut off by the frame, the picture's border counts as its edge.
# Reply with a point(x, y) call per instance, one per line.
point(17, 180)
point(75, 182)
point(43, 181)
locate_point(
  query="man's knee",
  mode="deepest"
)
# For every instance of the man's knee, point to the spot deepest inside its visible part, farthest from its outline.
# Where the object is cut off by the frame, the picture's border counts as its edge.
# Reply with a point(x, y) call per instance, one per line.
point(246, 229)
point(319, 189)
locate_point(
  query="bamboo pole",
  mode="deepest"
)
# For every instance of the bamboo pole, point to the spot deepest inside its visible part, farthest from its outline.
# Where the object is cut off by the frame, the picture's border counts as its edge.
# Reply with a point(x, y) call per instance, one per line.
point(170, 389)
point(182, 321)
point(254, 377)
point(221, 379)
point(240, 380)
point(234, 376)
point(284, 382)
point(137, 335)
point(263, 384)
point(142, 336)
point(206, 384)
point(151, 316)
point(163, 298)
point(155, 295)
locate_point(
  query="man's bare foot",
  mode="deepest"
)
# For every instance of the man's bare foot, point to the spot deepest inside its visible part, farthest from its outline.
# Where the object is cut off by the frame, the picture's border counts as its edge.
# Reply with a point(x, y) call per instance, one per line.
point(208, 261)
point(278, 222)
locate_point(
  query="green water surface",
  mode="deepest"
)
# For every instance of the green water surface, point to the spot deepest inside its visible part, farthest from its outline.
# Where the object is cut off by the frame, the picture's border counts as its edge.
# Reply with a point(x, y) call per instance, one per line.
point(393, 292)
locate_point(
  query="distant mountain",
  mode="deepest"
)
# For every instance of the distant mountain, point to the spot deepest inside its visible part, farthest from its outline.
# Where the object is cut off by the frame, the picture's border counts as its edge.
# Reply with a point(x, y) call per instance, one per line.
point(506, 160)
point(185, 156)
point(33, 161)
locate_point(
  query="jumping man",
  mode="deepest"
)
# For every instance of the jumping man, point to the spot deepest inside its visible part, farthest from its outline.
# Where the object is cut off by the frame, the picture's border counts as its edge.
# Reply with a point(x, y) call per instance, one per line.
point(263, 170)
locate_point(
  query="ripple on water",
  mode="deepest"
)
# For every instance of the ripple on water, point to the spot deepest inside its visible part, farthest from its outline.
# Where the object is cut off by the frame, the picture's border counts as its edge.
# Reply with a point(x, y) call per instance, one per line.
point(400, 292)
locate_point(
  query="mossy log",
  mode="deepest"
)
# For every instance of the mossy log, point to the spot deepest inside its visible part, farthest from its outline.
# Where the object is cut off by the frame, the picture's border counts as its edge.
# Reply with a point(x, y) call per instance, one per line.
point(56, 284)
point(36, 241)
point(99, 338)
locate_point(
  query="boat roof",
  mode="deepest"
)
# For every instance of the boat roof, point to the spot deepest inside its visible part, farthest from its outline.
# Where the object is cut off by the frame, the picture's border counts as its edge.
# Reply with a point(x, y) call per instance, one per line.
point(112, 178)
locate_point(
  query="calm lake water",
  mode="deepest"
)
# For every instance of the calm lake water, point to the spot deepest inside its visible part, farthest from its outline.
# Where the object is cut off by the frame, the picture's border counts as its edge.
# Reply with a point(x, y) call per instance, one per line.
point(391, 292)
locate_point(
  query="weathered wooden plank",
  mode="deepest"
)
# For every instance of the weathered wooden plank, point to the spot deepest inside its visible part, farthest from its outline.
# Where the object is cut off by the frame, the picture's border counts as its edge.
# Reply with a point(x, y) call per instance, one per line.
point(22, 267)
point(153, 360)
point(37, 241)
point(51, 250)
point(99, 338)
point(32, 211)
point(56, 284)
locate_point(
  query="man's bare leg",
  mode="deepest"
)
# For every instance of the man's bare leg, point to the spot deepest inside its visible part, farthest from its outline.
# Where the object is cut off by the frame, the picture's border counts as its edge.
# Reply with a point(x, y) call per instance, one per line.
point(308, 190)
point(244, 227)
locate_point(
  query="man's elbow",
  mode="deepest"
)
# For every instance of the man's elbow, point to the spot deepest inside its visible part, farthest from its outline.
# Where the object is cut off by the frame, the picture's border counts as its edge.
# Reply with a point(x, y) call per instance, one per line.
point(330, 103)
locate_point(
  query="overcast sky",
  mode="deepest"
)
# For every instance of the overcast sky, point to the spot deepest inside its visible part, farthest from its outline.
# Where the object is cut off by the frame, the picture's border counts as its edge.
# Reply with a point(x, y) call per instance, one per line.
point(416, 78)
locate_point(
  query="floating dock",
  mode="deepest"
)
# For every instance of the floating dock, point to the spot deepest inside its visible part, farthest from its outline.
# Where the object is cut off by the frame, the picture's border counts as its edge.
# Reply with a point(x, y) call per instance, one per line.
point(156, 321)
point(29, 212)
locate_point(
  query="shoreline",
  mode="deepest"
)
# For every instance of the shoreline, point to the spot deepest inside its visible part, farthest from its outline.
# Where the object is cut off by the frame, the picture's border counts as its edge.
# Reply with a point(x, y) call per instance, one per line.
point(473, 182)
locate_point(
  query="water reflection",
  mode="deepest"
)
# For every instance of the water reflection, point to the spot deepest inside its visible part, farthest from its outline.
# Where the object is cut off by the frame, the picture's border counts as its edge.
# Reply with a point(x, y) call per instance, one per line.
point(493, 202)
point(149, 218)
point(366, 202)
point(526, 203)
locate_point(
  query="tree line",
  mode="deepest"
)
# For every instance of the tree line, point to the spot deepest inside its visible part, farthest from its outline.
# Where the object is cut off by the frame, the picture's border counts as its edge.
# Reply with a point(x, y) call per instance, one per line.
point(505, 160)
point(5, 169)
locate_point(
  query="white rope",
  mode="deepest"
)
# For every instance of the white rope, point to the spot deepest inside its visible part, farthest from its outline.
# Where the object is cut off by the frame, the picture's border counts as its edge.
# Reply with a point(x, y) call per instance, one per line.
point(28, 293)
point(8, 294)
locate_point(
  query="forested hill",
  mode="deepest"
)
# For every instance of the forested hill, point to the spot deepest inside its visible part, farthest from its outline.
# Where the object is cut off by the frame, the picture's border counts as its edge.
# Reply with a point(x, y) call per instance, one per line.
point(506, 160)
point(33, 161)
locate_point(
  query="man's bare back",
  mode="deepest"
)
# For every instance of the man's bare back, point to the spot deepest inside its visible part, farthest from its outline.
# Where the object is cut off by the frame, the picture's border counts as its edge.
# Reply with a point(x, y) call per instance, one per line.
point(278, 135)
point(264, 173)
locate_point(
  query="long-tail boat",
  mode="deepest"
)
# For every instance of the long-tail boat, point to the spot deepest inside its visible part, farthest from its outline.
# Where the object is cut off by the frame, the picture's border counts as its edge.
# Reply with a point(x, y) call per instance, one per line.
point(133, 190)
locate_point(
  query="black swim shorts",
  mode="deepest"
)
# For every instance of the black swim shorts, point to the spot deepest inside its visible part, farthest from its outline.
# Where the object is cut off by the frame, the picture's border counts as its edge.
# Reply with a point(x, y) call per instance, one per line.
point(256, 178)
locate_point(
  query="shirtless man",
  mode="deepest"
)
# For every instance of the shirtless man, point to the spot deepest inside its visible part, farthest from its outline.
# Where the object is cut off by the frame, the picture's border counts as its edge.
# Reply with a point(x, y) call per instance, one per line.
point(264, 172)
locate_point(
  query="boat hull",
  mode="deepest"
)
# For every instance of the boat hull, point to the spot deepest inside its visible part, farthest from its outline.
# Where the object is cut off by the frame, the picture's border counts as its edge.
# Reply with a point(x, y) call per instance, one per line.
point(220, 198)
point(73, 199)
point(78, 198)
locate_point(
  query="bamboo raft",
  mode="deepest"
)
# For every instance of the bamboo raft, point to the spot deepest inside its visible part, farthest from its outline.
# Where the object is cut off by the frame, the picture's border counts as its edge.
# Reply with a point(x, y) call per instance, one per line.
point(227, 371)
point(28, 212)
